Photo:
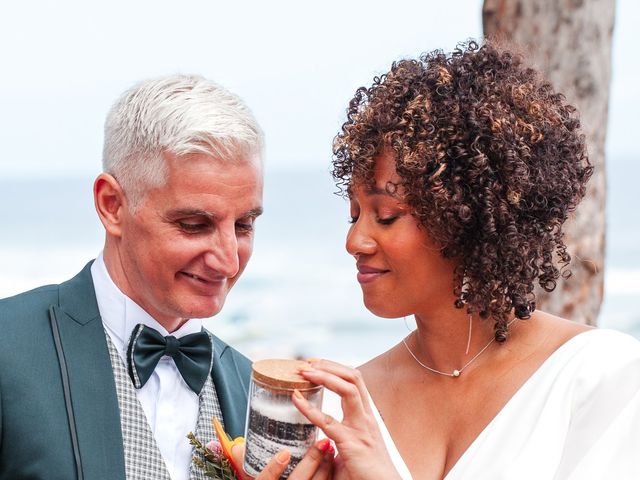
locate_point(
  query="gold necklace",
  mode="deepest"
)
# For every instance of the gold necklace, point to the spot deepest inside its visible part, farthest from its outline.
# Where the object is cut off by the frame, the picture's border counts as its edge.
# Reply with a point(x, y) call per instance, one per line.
point(458, 371)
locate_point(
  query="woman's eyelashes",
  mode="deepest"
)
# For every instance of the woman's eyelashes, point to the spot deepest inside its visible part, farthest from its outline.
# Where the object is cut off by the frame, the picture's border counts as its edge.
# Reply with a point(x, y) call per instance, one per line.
point(385, 220)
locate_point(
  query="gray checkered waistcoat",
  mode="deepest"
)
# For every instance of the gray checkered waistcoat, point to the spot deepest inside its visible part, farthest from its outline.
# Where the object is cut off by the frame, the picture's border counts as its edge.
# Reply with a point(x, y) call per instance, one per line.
point(142, 458)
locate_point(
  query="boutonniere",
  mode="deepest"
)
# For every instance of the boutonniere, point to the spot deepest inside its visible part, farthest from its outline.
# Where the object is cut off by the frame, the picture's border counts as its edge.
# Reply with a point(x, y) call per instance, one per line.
point(215, 458)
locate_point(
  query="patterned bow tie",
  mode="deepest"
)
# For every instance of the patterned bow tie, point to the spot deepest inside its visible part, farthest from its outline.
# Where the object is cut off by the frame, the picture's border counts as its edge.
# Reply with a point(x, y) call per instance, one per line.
point(192, 354)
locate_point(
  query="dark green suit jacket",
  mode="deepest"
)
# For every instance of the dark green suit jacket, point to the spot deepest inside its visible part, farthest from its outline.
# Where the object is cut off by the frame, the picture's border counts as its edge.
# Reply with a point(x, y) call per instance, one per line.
point(57, 387)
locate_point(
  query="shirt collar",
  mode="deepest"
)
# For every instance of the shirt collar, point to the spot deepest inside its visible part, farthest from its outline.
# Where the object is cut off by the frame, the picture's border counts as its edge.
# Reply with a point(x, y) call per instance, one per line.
point(120, 314)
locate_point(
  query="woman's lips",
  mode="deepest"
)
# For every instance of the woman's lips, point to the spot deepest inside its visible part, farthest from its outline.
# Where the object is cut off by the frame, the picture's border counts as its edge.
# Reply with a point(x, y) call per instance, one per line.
point(367, 274)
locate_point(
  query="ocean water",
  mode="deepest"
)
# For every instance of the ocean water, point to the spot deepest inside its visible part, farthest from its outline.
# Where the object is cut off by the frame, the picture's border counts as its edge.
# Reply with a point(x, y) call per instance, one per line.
point(298, 296)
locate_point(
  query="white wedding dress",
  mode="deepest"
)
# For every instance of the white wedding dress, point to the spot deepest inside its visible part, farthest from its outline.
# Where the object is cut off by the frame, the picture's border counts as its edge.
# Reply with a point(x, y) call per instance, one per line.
point(576, 418)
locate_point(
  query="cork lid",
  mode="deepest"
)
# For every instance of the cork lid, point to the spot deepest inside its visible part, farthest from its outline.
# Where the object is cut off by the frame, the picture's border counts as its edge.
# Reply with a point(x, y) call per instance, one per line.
point(281, 373)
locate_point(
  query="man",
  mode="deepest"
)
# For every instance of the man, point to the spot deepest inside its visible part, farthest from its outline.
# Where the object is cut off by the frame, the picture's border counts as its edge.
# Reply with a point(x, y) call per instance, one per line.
point(102, 376)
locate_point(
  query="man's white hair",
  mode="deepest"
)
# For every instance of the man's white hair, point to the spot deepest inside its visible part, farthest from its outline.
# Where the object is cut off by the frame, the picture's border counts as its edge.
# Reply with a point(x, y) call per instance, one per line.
point(178, 114)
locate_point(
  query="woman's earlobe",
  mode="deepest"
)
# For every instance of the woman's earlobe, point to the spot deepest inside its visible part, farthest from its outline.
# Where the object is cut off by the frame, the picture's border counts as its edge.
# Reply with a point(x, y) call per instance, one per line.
point(110, 202)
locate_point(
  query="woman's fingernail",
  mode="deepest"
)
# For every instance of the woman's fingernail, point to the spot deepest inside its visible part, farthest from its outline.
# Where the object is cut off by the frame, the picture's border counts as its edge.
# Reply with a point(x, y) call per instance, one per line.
point(313, 360)
point(283, 457)
point(297, 394)
point(323, 445)
point(332, 450)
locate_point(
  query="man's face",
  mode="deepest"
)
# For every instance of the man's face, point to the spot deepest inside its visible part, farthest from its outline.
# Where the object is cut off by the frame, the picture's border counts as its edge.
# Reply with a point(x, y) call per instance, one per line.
point(189, 241)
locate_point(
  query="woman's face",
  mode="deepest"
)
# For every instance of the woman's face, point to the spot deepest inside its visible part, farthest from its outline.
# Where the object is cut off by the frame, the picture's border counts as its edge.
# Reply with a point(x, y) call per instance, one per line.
point(401, 271)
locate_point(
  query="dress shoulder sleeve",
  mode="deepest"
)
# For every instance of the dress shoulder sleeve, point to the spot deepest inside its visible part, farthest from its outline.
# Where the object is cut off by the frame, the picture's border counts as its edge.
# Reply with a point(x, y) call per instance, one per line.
point(604, 431)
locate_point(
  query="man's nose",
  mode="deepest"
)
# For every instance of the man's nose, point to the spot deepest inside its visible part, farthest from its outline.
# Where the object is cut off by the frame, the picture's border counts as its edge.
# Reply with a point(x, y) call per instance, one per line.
point(360, 240)
point(223, 253)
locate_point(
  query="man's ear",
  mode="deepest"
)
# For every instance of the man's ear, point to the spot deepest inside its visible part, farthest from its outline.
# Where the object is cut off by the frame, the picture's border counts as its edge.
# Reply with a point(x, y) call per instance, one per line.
point(110, 203)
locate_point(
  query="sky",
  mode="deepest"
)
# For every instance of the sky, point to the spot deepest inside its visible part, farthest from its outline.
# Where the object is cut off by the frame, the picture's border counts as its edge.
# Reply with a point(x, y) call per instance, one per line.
point(295, 63)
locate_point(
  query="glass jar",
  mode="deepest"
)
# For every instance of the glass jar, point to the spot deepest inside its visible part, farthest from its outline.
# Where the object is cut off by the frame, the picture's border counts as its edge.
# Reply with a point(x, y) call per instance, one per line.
point(273, 422)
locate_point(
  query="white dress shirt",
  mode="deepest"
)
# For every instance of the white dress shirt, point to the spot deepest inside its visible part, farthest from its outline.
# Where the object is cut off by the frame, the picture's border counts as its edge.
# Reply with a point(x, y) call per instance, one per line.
point(170, 406)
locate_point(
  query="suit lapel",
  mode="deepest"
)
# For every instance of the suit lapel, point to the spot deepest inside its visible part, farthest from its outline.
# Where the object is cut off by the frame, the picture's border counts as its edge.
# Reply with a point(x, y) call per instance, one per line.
point(231, 380)
point(91, 383)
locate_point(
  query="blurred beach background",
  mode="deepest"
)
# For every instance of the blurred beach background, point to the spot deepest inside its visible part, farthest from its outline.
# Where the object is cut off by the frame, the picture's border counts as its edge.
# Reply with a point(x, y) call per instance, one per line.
point(296, 65)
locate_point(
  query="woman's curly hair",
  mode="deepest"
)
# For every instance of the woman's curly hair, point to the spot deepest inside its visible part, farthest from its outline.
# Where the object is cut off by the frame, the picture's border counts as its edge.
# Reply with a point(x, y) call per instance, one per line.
point(491, 160)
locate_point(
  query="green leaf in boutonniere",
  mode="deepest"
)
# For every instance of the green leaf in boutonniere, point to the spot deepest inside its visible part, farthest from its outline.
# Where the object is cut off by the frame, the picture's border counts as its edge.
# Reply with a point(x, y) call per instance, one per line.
point(214, 458)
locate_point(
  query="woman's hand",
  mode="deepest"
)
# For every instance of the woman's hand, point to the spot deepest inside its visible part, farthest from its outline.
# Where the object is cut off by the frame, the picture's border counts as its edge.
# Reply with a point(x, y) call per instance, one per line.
point(317, 464)
point(361, 449)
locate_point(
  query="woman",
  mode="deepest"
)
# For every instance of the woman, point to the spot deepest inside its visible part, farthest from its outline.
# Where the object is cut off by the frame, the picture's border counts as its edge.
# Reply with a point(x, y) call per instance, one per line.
point(461, 170)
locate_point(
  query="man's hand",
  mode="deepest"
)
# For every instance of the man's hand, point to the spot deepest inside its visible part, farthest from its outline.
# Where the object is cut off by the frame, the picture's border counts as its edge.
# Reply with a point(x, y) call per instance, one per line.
point(317, 464)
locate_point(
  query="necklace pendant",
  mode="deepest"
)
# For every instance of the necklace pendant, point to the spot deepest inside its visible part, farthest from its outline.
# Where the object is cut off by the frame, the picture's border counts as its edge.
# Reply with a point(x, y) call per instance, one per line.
point(455, 373)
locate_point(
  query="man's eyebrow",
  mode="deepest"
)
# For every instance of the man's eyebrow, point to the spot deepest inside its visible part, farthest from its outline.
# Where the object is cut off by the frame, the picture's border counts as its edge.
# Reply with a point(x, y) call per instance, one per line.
point(254, 212)
point(196, 212)
point(189, 212)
